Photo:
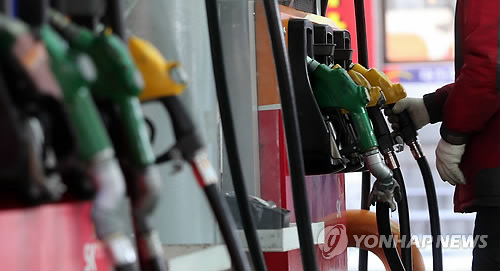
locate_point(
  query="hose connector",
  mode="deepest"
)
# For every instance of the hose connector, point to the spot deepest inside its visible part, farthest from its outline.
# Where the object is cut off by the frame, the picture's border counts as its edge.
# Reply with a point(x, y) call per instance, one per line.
point(376, 166)
point(391, 160)
point(385, 189)
point(203, 169)
point(416, 149)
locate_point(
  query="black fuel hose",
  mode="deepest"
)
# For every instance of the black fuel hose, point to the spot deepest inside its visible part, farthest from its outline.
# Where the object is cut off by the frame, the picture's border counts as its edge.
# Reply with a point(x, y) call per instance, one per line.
point(188, 144)
point(386, 145)
point(324, 7)
point(385, 232)
point(115, 17)
point(230, 136)
point(292, 132)
point(430, 190)
point(404, 222)
point(409, 134)
point(227, 227)
point(359, 9)
point(365, 205)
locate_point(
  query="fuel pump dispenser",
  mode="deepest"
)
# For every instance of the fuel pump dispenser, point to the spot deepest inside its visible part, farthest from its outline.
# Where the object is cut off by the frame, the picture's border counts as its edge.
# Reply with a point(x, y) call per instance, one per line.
point(333, 88)
point(21, 151)
point(118, 85)
point(394, 93)
point(300, 35)
point(324, 146)
point(32, 96)
point(75, 72)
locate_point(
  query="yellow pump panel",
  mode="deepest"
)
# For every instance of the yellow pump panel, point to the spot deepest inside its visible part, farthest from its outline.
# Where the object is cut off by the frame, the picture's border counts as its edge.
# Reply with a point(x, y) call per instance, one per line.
point(155, 69)
point(392, 92)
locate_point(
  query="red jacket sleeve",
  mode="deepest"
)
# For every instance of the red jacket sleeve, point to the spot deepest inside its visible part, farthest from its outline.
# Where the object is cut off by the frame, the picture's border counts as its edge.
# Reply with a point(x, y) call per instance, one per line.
point(434, 102)
point(473, 99)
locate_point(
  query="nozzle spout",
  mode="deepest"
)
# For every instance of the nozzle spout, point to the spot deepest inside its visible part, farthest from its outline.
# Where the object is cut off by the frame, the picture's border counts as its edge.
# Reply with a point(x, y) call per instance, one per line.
point(376, 166)
point(385, 189)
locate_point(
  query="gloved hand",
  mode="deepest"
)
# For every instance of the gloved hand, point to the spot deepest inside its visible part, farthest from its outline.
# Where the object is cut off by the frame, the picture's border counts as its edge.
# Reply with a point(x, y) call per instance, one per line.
point(448, 157)
point(416, 109)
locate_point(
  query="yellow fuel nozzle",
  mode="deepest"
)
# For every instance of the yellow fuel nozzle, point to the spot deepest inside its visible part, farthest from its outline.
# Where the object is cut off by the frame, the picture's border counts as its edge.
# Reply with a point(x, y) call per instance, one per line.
point(392, 92)
point(360, 80)
point(155, 70)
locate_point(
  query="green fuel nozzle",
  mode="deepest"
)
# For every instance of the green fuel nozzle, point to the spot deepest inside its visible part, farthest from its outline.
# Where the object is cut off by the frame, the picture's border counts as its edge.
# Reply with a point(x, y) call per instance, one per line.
point(117, 80)
point(334, 88)
point(75, 72)
point(119, 83)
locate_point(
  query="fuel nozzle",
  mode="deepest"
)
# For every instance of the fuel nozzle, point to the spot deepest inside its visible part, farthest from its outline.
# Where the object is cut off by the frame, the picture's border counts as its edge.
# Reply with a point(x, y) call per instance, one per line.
point(393, 93)
point(334, 88)
point(119, 83)
point(75, 73)
point(385, 189)
point(39, 100)
point(161, 85)
point(115, 67)
point(377, 97)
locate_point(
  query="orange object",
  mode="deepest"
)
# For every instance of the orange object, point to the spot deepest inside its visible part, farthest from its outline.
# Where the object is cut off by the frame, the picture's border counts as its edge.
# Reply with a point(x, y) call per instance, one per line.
point(363, 222)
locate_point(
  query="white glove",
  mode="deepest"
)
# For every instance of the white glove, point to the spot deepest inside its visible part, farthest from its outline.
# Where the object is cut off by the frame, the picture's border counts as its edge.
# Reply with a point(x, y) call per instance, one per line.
point(416, 109)
point(448, 157)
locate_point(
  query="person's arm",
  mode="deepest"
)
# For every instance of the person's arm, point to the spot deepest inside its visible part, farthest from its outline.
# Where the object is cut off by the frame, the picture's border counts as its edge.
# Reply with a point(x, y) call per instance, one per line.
point(434, 103)
point(473, 99)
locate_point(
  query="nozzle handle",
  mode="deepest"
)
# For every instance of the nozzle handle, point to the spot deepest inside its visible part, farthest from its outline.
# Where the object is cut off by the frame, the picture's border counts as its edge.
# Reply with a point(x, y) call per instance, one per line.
point(406, 127)
point(380, 129)
point(188, 141)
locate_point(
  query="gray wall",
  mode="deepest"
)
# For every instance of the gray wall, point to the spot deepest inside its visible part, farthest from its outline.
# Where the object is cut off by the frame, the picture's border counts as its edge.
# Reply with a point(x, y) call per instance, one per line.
point(237, 23)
